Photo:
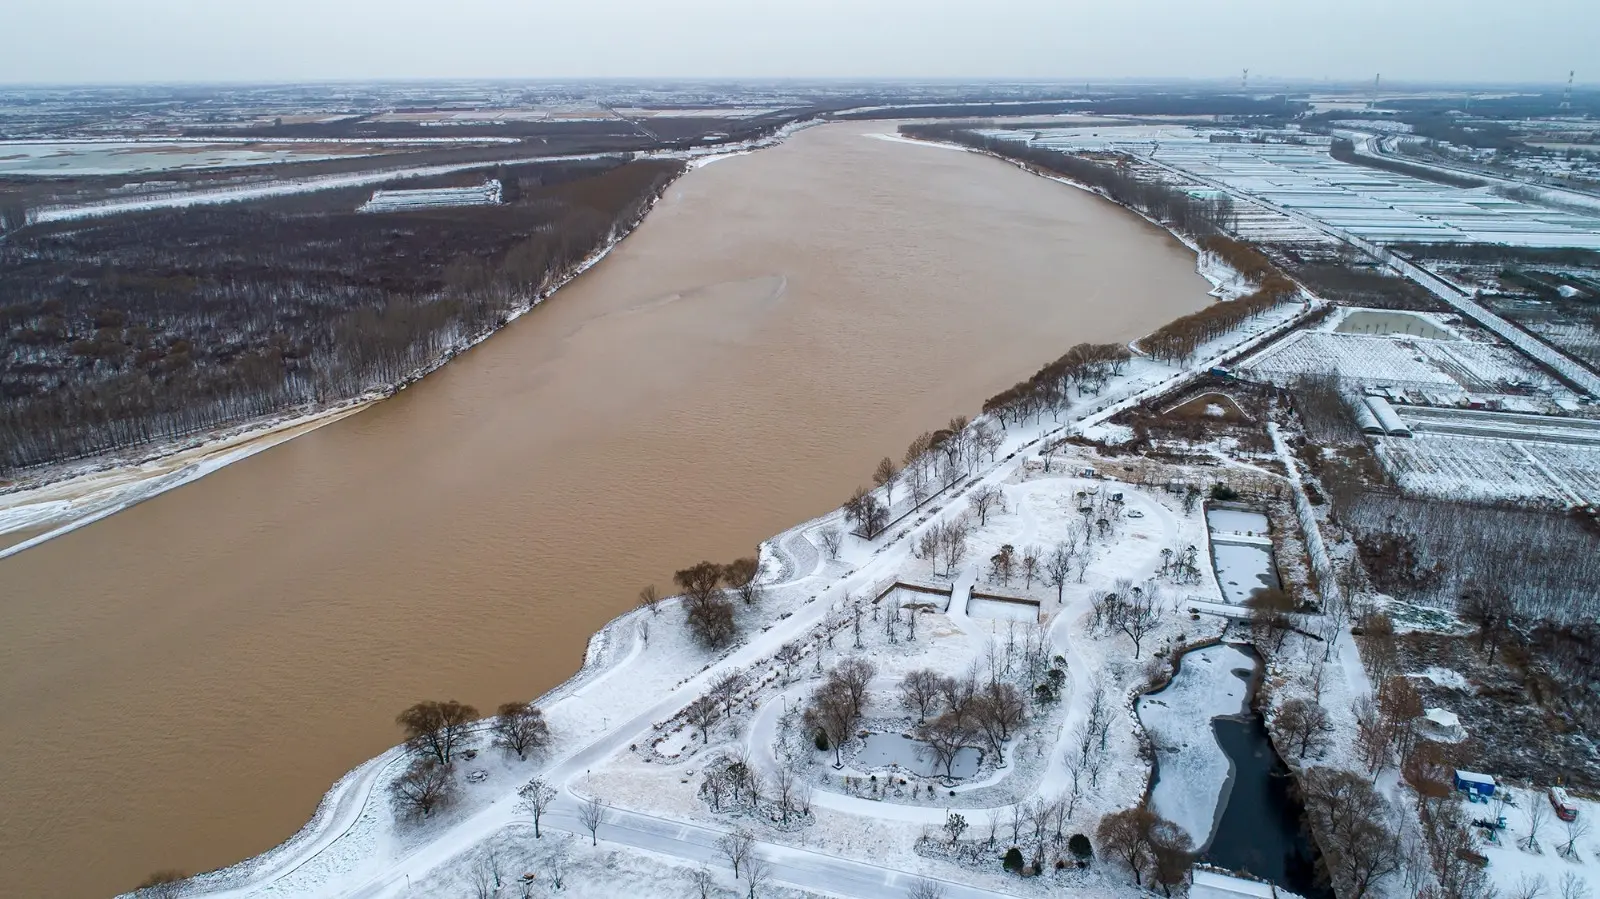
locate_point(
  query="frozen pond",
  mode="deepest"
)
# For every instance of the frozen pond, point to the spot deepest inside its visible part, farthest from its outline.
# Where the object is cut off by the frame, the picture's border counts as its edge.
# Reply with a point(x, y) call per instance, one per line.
point(1242, 569)
point(1367, 321)
point(106, 158)
point(1191, 768)
point(882, 750)
point(1002, 610)
point(1237, 521)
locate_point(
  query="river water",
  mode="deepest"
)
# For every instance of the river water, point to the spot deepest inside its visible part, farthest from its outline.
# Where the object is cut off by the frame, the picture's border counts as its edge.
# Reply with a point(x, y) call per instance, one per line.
point(181, 682)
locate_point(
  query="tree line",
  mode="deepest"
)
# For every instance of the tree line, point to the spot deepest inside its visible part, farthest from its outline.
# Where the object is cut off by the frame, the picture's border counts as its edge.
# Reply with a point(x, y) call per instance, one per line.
point(1085, 368)
point(1179, 340)
point(1180, 210)
point(143, 327)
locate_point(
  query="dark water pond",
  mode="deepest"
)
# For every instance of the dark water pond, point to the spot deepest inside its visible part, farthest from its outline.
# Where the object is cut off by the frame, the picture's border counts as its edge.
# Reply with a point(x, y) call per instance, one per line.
point(1260, 829)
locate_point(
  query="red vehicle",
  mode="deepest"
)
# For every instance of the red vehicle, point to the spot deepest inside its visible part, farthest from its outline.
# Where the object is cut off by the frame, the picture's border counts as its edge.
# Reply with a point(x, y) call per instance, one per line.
point(1559, 800)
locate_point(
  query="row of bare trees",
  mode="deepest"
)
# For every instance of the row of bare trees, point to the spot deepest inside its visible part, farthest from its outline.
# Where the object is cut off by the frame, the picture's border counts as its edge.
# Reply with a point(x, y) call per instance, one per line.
point(933, 460)
point(1119, 181)
point(1085, 368)
point(1179, 339)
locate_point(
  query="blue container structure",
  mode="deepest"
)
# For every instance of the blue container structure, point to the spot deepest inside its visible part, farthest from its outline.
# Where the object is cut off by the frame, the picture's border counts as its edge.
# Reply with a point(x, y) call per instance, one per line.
point(1478, 787)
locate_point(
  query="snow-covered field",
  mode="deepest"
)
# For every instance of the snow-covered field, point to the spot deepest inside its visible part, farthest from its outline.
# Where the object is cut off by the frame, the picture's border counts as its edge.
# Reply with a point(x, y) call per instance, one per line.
point(1375, 205)
point(1449, 368)
point(1452, 466)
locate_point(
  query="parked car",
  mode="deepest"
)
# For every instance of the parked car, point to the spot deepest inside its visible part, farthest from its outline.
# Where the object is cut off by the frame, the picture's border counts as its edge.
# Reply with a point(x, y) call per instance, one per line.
point(1135, 513)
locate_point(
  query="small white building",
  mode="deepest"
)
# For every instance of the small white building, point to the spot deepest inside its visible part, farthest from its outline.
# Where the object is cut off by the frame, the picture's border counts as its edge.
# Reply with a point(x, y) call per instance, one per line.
point(1442, 725)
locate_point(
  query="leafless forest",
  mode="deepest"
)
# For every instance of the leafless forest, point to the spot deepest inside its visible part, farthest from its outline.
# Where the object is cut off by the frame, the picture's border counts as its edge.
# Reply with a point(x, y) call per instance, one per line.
point(1437, 551)
point(138, 328)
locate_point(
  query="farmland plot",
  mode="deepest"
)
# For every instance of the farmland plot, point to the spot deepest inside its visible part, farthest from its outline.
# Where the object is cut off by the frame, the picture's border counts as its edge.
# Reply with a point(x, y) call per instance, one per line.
point(1446, 366)
point(1472, 468)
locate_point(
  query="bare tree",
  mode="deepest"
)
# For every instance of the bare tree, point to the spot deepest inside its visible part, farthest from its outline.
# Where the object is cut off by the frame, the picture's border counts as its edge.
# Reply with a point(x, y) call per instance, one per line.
point(703, 713)
point(919, 690)
point(928, 545)
point(757, 873)
point(1352, 822)
point(737, 846)
point(1058, 568)
point(707, 612)
point(486, 875)
point(1136, 615)
point(1172, 855)
point(855, 675)
point(439, 728)
point(789, 654)
point(1529, 887)
point(555, 867)
point(536, 797)
point(997, 709)
point(869, 514)
point(649, 599)
point(702, 880)
point(1076, 766)
point(1573, 886)
point(945, 737)
point(1538, 817)
point(725, 690)
point(984, 500)
point(1372, 733)
point(1577, 829)
point(592, 812)
point(519, 727)
point(924, 888)
point(1002, 564)
point(1031, 563)
point(1125, 836)
point(885, 476)
point(1269, 617)
point(954, 538)
point(832, 540)
point(986, 439)
point(831, 712)
point(424, 786)
point(784, 784)
point(741, 574)
point(1302, 726)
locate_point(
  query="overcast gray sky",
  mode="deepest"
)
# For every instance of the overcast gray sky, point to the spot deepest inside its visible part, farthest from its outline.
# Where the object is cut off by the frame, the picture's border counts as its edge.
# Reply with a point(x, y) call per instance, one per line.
point(242, 40)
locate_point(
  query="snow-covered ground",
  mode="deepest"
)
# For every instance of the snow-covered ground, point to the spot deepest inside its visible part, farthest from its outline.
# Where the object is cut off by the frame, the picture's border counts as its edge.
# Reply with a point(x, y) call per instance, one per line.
point(291, 186)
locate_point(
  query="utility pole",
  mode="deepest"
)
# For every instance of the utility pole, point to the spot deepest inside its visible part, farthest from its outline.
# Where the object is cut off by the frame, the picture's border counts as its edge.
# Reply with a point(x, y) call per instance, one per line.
point(1244, 81)
point(1566, 97)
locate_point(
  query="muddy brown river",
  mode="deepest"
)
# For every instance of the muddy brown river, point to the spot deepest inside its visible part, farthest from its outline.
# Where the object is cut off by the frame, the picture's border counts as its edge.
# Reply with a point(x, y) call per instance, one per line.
point(181, 682)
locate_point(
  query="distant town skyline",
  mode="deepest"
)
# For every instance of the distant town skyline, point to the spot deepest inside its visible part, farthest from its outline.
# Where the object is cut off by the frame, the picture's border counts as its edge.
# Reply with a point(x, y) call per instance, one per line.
point(143, 41)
